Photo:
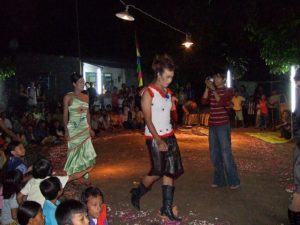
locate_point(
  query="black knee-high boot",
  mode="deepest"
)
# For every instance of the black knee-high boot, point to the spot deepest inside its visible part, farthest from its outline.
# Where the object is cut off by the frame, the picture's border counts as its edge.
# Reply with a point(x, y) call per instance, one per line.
point(137, 193)
point(294, 217)
point(166, 210)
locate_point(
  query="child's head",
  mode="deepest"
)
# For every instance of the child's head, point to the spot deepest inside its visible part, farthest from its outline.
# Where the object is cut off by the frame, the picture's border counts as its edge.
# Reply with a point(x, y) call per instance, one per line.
point(42, 168)
point(30, 213)
point(93, 198)
point(236, 93)
point(15, 148)
point(51, 188)
point(12, 183)
point(71, 212)
point(263, 97)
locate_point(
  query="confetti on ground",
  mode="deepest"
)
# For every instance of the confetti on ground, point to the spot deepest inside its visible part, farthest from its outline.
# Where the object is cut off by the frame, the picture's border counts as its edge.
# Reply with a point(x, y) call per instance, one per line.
point(270, 161)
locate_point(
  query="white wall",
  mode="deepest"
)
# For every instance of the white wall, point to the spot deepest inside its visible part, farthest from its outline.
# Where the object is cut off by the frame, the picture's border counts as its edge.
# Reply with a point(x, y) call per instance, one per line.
point(118, 75)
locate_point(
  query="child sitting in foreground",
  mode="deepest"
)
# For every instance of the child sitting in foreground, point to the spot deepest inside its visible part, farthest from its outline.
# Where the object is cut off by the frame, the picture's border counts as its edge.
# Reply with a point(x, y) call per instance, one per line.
point(94, 200)
point(51, 189)
point(71, 212)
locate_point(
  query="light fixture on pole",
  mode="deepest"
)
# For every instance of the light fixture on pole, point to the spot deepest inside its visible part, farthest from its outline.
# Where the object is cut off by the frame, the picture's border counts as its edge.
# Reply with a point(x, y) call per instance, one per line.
point(126, 16)
point(188, 41)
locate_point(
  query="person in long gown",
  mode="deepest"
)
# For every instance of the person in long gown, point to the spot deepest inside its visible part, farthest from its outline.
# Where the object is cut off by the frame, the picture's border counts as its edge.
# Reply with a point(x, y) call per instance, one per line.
point(78, 132)
point(160, 139)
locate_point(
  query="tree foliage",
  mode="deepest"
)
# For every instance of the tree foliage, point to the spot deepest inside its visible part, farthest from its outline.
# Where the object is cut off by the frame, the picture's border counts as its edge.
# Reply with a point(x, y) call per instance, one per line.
point(278, 38)
point(7, 68)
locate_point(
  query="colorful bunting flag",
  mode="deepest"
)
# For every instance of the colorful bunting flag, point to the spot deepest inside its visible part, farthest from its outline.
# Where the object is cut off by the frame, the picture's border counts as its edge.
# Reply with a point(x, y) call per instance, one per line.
point(138, 63)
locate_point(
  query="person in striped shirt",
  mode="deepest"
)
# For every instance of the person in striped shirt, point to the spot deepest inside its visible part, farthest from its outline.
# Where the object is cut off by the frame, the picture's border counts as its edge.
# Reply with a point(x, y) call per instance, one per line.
point(219, 98)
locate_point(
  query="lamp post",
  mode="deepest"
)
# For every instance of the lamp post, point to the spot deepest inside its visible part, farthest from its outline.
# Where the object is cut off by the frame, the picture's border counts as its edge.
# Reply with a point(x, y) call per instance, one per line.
point(293, 89)
point(293, 97)
point(126, 16)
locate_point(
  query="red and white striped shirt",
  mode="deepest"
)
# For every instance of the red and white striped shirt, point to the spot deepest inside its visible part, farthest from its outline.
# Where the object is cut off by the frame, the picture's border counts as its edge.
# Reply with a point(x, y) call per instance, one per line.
point(219, 115)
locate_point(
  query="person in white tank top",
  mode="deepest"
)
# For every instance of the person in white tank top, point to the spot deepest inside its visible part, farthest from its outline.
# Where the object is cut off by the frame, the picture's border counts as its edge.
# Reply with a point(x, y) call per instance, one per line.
point(162, 145)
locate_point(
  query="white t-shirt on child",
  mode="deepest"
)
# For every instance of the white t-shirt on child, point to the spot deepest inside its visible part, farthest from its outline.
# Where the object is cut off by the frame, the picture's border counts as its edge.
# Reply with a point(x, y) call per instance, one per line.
point(33, 192)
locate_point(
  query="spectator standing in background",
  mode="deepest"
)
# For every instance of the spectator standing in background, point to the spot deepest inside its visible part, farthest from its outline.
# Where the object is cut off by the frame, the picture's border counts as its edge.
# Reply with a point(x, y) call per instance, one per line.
point(32, 98)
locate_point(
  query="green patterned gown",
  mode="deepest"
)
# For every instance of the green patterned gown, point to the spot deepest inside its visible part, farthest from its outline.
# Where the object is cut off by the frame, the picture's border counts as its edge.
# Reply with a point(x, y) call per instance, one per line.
point(81, 153)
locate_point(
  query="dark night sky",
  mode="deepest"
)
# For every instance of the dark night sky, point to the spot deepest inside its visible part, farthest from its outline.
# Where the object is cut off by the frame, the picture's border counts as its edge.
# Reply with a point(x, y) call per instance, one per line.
point(217, 28)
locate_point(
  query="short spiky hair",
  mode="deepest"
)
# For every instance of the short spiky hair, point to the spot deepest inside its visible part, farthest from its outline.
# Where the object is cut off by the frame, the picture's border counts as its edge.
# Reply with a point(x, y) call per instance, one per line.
point(91, 191)
point(66, 210)
point(11, 147)
point(42, 168)
point(162, 62)
point(50, 188)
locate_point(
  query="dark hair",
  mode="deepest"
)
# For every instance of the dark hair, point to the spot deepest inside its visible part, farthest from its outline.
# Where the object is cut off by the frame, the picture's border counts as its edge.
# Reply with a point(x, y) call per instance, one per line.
point(297, 75)
point(27, 210)
point(91, 191)
point(162, 62)
point(67, 209)
point(219, 74)
point(12, 183)
point(75, 77)
point(42, 168)
point(50, 187)
point(11, 147)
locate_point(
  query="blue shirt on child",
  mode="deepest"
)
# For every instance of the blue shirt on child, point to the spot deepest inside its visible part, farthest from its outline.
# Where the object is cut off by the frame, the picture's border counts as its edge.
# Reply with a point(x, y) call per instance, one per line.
point(49, 212)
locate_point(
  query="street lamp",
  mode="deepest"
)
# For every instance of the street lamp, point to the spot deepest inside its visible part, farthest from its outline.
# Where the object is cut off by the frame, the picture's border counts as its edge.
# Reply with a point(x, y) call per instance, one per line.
point(126, 16)
point(188, 41)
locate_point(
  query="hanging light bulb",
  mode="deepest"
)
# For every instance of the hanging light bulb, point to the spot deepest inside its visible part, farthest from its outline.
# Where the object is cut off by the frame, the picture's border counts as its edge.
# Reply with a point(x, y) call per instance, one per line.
point(188, 41)
point(125, 15)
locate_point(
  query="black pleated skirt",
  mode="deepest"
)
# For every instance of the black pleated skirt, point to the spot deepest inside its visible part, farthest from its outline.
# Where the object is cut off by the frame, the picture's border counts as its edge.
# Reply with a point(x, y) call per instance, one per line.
point(165, 163)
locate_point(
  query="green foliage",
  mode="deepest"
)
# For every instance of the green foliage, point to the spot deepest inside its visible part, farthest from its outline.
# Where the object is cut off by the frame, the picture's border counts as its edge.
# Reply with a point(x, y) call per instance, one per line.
point(279, 44)
point(238, 66)
point(7, 68)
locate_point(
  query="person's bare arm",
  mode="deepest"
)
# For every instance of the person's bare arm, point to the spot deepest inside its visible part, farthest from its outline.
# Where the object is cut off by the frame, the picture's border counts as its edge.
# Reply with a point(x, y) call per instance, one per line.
point(146, 108)
point(14, 213)
point(205, 94)
point(21, 198)
point(66, 115)
point(184, 109)
point(8, 131)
